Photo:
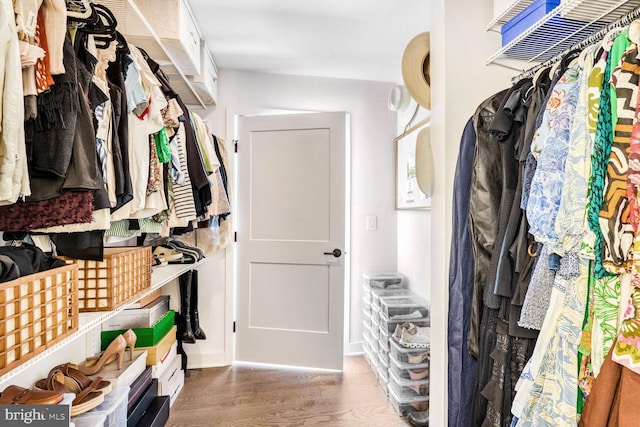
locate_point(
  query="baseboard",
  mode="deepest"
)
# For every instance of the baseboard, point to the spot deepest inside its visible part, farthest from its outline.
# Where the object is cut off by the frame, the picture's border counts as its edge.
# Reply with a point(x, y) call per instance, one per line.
point(354, 349)
point(206, 360)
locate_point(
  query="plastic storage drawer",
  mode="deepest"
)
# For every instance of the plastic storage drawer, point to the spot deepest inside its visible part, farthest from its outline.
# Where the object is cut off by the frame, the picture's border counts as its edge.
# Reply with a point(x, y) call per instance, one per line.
point(113, 411)
point(408, 355)
point(385, 281)
point(389, 325)
point(405, 388)
point(383, 343)
point(377, 294)
point(404, 405)
point(404, 308)
point(409, 371)
point(366, 318)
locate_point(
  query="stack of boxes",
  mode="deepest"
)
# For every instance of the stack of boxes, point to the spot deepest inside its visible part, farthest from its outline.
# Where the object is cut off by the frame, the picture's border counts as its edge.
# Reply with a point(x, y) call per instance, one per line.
point(403, 373)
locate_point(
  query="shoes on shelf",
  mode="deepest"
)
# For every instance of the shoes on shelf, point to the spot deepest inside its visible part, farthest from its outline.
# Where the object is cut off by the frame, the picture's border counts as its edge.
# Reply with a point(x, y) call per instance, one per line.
point(66, 378)
point(14, 394)
point(415, 337)
point(114, 352)
point(86, 400)
point(419, 419)
point(130, 338)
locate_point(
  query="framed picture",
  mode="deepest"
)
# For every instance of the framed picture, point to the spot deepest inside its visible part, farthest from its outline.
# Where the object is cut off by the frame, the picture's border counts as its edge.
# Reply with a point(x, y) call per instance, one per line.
point(408, 194)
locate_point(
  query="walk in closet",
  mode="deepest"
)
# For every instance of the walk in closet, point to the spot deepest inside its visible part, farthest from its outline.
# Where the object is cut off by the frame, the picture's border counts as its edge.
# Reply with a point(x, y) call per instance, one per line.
point(115, 196)
point(542, 325)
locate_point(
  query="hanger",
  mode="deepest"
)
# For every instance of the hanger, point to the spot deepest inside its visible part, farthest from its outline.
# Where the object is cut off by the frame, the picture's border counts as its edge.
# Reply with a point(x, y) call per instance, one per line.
point(78, 9)
point(607, 40)
point(539, 74)
point(634, 32)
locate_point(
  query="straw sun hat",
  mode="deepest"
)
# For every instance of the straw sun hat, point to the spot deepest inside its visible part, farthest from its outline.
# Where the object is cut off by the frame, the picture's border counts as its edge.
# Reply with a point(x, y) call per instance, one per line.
point(416, 71)
point(424, 161)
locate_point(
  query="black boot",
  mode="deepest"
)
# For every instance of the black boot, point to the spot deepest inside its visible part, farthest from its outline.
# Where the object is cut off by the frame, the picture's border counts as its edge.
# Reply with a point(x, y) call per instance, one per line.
point(195, 319)
point(185, 300)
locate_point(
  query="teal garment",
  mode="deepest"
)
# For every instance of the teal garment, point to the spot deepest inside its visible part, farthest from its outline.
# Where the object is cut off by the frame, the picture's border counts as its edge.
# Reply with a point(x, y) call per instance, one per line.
point(620, 45)
point(601, 151)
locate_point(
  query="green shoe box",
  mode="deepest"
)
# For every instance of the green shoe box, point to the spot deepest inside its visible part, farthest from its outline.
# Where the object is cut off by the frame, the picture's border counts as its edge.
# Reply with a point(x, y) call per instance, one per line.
point(147, 337)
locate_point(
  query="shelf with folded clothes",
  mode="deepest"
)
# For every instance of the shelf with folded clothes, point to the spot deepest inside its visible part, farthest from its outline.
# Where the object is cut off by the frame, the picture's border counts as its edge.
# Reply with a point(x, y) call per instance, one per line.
point(160, 277)
point(571, 22)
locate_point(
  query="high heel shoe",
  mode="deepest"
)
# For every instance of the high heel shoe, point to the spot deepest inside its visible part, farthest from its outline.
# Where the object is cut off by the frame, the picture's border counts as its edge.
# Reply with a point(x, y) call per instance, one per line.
point(115, 351)
point(130, 338)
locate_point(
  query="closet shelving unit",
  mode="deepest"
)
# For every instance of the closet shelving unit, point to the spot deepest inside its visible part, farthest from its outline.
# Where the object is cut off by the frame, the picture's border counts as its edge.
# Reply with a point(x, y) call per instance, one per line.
point(571, 22)
point(88, 321)
point(168, 62)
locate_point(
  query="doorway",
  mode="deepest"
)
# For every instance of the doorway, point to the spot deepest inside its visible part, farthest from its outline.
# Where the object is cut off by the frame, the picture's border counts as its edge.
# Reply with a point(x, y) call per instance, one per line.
point(292, 191)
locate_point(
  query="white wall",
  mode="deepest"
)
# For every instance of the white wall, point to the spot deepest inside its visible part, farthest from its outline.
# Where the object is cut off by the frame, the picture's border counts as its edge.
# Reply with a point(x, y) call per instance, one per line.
point(373, 128)
point(460, 80)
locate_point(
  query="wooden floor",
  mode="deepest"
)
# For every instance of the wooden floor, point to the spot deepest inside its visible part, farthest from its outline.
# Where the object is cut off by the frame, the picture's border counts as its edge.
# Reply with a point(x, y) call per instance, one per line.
point(248, 395)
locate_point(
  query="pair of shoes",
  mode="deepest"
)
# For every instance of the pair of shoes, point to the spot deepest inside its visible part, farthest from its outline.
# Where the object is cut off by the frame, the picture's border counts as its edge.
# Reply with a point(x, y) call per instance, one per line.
point(418, 358)
point(14, 394)
point(114, 352)
point(189, 329)
point(418, 374)
point(420, 389)
point(416, 337)
point(66, 378)
point(165, 254)
point(419, 419)
point(397, 334)
point(410, 316)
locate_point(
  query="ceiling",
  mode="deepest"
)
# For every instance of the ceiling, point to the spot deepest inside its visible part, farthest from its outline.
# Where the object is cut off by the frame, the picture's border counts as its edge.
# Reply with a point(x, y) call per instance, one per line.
point(352, 39)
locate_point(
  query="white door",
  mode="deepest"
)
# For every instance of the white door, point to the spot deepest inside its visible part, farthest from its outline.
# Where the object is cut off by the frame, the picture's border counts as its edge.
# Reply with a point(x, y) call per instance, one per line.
point(291, 218)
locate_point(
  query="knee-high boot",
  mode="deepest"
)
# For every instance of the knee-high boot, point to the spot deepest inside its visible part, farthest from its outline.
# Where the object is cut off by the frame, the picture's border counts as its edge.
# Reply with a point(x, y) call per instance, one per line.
point(185, 301)
point(195, 318)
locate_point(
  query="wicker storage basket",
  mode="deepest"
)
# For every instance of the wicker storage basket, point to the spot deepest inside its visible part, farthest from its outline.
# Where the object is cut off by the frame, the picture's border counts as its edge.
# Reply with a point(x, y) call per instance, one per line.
point(36, 312)
point(123, 275)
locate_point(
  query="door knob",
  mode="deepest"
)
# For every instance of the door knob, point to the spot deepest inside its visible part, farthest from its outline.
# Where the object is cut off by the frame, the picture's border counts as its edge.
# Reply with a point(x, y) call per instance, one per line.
point(336, 253)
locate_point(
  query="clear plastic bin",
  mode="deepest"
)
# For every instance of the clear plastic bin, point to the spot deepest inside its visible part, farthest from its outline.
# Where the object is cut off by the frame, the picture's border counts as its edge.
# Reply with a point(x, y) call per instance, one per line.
point(366, 318)
point(377, 294)
point(113, 411)
point(383, 376)
point(374, 345)
point(366, 333)
point(385, 280)
point(384, 358)
point(405, 388)
point(383, 343)
point(410, 371)
point(389, 325)
point(384, 385)
point(375, 330)
point(408, 355)
point(404, 308)
point(405, 405)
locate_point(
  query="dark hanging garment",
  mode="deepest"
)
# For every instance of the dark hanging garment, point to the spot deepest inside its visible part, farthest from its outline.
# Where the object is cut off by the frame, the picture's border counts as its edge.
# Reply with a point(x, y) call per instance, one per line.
point(50, 136)
point(199, 180)
point(124, 187)
point(87, 245)
point(462, 366)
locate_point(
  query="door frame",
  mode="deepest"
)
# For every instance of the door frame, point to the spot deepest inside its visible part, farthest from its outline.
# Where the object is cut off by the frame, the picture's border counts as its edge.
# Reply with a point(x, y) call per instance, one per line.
point(231, 264)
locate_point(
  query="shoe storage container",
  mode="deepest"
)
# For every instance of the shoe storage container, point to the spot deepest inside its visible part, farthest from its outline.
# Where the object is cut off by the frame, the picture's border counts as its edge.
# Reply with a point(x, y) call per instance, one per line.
point(36, 312)
point(110, 413)
point(105, 285)
point(405, 405)
point(366, 318)
point(409, 371)
point(408, 355)
point(404, 308)
point(389, 325)
point(405, 388)
point(378, 294)
point(385, 281)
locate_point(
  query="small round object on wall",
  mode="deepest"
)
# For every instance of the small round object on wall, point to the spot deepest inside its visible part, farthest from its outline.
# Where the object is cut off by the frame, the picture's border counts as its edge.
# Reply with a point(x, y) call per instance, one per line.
point(416, 69)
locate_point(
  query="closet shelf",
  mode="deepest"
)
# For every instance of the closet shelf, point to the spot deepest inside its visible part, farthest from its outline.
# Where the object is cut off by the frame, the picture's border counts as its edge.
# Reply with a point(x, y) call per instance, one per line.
point(571, 22)
point(160, 277)
point(510, 12)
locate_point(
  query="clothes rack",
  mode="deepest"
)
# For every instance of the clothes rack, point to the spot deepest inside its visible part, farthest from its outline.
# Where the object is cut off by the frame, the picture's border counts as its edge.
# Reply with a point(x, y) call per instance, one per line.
point(593, 38)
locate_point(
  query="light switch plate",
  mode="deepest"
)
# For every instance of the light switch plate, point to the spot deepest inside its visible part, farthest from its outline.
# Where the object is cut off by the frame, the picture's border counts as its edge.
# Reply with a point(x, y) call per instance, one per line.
point(371, 223)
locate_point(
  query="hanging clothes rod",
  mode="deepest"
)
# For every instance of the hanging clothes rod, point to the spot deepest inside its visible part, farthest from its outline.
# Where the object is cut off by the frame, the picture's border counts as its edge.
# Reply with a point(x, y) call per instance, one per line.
point(623, 21)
